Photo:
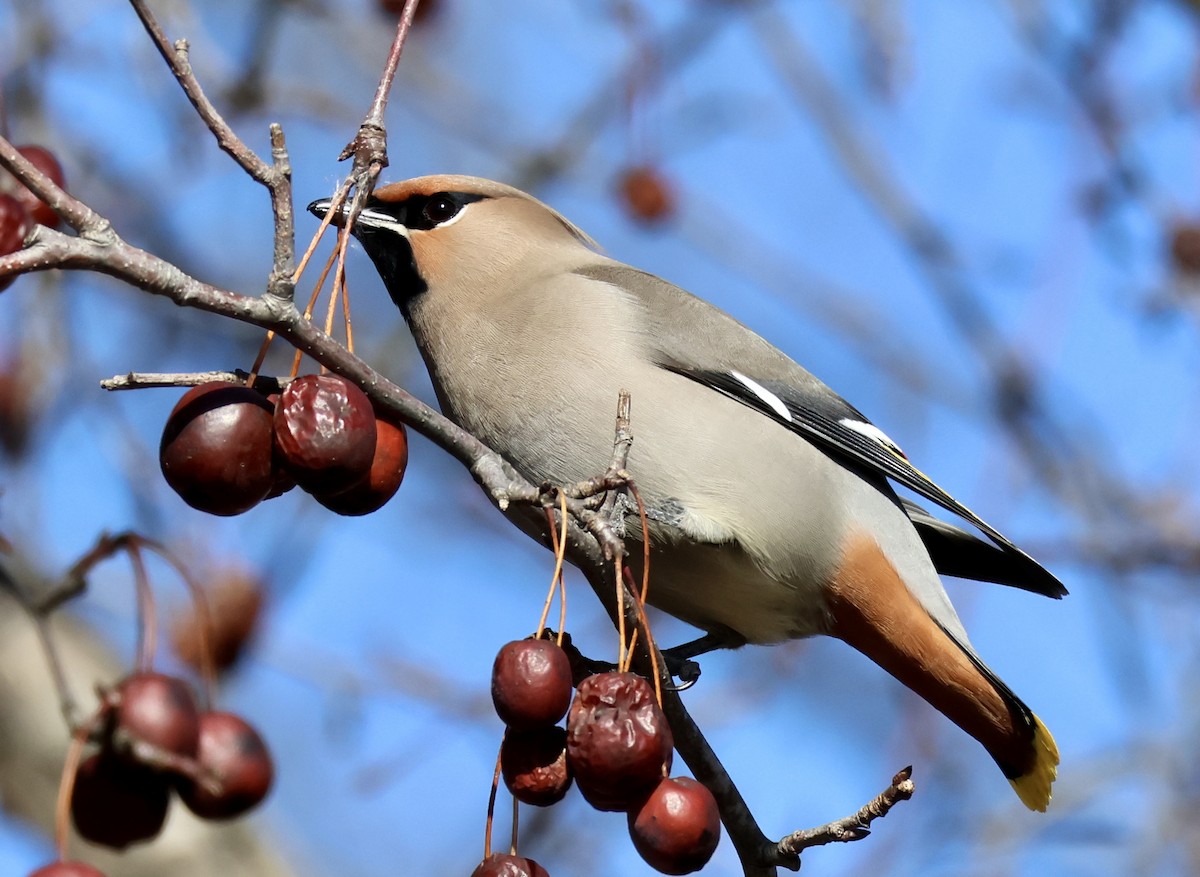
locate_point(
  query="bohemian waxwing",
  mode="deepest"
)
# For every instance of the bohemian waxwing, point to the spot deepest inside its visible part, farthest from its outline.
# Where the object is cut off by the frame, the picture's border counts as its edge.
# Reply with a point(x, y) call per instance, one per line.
point(771, 513)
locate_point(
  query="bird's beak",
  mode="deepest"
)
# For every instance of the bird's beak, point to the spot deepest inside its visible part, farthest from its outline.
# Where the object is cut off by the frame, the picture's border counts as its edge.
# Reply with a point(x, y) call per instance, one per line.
point(368, 221)
point(321, 207)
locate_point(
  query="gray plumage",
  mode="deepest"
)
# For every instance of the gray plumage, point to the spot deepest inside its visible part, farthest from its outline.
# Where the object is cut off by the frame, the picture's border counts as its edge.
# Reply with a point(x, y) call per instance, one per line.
point(757, 476)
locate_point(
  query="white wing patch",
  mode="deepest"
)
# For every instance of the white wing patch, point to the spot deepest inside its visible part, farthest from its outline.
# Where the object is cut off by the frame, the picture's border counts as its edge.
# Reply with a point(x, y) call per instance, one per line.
point(873, 432)
point(766, 396)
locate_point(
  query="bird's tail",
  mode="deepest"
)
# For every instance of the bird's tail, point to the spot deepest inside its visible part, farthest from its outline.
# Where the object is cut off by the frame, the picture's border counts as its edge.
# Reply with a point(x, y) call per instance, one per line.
point(1032, 764)
point(1033, 786)
point(871, 609)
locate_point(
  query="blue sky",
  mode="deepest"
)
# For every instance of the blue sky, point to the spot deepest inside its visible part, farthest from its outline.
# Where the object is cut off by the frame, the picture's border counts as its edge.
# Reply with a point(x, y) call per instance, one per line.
point(973, 124)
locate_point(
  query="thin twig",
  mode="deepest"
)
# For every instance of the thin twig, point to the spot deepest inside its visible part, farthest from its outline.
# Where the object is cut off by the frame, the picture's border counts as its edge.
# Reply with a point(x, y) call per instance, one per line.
point(77, 214)
point(855, 826)
point(144, 380)
point(180, 65)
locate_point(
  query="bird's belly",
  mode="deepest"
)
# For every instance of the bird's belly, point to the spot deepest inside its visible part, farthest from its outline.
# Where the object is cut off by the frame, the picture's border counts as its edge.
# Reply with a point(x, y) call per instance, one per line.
point(737, 544)
point(721, 587)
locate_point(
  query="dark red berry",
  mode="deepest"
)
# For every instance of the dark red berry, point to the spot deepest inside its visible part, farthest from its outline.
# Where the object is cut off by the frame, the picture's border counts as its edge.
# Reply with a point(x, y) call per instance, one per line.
point(647, 195)
point(66, 869)
point(19, 408)
point(235, 601)
point(678, 828)
point(216, 449)
point(531, 683)
point(159, 710)
point(116, 803)
point(281, 480)
point(618, 740)
point(382, 481)
point(43, 159)
point(236, 756)
point(15, 224)
point(325, 433)
point(534, 764)
point(506, 865)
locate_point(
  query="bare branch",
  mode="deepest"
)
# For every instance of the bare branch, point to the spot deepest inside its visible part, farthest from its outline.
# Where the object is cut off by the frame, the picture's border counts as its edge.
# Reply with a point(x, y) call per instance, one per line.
point(144, 380)
point(77, 214)
point(853, 827)
point(180, 65)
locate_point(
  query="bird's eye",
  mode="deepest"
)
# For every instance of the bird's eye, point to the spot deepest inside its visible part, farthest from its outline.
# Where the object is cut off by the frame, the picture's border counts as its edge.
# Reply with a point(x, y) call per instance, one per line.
point(440, 208)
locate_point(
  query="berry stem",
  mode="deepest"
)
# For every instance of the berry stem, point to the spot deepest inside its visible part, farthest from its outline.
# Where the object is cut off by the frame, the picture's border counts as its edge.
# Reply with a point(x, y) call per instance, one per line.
point(559, 544)
point(312, 303)
point(338, 275)
point(346, 315)
point(66, 783)
point(650, 644)
point(515, 821)
point(147, 621)
point(491, 810)
point(335, 207)
point(258, 360)
point(208, 672)
point(622, 662)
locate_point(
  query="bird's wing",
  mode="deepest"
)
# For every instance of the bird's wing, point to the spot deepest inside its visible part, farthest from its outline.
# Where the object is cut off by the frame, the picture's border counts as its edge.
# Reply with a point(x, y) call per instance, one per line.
point(745, 367)
point(832, 423)
point(960, 553)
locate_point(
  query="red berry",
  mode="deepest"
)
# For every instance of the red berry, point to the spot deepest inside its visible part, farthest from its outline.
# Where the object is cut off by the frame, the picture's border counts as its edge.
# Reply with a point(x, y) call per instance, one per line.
point(216, 449)
point(116, 803)
point(66, 869)
point(43, 159)
point(534, 764)
point(647, 195)
point(19, 408)
point(1185, 248)
point(325, 433)
point(531, 683)
point(382, 481)
point(506, 865)
point(235, 601)
point(678, 828)
point(618, 740)
point(159, 710)
point(239, 760)
point(281, 480)
point(15, 224)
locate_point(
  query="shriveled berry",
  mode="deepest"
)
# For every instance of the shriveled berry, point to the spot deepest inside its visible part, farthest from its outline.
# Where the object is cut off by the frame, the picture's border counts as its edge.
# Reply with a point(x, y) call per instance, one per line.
point(216, 449)
point(678, 828)
point(531, 683)
point(66, 869)
point(232, 752)
point(325, 433)
point(534, 765)
point(506, 865)
point(15, 224)
point(44, 160)
point(159, 710)
point(116, 803)
point(647, 194)
point(383, 479)
point(618, 740)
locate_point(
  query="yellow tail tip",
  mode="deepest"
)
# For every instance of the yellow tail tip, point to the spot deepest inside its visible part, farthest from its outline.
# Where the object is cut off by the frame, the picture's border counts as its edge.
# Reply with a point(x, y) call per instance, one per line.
point(1033, 787)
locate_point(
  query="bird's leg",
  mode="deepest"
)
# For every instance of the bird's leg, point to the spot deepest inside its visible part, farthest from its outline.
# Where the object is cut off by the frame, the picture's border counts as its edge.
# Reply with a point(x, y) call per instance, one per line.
point(679, 658)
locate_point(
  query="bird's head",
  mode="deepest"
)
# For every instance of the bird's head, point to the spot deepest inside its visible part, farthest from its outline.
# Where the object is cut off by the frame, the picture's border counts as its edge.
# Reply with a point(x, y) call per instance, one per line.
point(451, 234)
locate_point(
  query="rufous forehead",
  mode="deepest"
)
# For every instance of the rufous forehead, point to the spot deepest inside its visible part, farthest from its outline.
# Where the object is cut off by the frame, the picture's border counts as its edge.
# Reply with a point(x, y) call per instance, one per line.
point(431, 185)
